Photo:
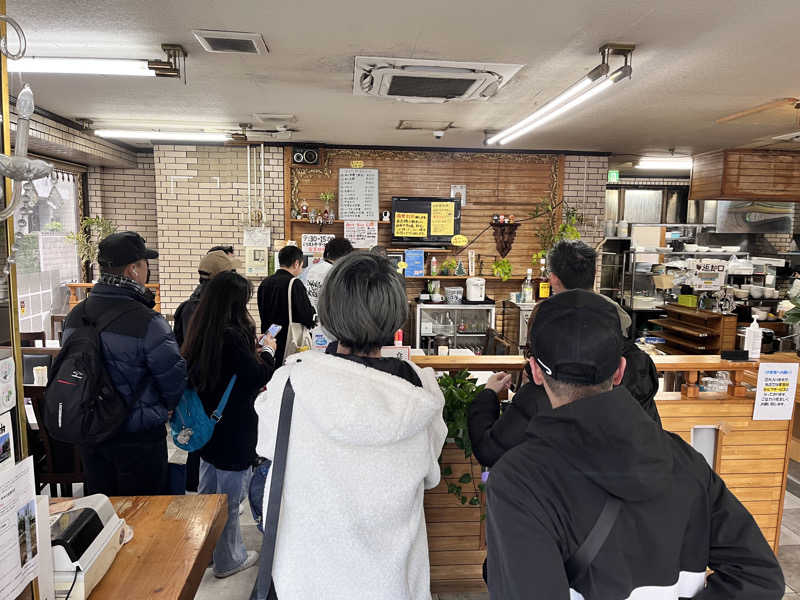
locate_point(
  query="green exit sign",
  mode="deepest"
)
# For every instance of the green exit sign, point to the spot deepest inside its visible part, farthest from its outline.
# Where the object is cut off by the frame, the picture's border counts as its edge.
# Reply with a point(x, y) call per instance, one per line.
point(613, 176)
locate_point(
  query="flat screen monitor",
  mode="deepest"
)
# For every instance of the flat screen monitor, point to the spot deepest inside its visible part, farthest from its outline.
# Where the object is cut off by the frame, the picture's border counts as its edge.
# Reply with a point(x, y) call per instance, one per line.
point(418, 221)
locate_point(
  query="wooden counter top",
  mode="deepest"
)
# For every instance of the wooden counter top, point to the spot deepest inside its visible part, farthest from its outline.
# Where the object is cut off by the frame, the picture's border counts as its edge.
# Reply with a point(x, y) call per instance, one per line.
point(473, 363)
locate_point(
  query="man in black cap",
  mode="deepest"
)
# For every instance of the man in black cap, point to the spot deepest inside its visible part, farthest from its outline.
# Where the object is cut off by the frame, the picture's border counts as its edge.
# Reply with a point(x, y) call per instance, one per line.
point(600, 501)
point(144, 364)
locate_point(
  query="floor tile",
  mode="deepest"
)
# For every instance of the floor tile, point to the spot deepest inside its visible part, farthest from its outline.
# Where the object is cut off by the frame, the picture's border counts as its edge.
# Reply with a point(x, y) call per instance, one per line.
point(789, 537)
point(791, 501)
point(789, 557)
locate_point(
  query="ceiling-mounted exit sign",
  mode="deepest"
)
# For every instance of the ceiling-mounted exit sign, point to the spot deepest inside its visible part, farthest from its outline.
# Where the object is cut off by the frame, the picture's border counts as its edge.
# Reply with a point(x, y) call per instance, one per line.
point(613, 176)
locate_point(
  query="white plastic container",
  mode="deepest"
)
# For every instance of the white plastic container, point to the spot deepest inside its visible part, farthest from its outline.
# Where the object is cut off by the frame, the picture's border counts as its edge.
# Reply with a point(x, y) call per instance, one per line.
point(752, 340)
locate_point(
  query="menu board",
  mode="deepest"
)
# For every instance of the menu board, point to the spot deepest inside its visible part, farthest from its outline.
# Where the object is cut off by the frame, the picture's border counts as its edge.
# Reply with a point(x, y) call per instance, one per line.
point(410, 225)
point(358, 194)
point(362, 234)
point(443, 216)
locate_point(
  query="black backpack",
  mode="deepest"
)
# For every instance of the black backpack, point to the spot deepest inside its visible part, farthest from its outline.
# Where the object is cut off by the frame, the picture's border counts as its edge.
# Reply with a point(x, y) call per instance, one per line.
point(81, 404)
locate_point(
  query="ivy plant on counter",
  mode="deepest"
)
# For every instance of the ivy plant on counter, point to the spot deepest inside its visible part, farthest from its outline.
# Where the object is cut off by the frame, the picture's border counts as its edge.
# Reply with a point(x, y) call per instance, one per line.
point(502, 269)
point(459, 391)
point(448, 267)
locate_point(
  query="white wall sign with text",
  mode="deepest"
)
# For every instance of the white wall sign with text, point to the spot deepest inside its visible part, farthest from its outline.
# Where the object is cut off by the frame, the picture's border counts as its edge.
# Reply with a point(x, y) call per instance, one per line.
point(775, 391)
point(19, 540)
point(362, 234)
point(358, 194)
point(314, 243)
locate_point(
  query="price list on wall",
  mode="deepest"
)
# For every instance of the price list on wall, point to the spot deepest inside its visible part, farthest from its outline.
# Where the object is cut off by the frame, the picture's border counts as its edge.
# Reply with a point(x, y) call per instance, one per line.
point(358, 194)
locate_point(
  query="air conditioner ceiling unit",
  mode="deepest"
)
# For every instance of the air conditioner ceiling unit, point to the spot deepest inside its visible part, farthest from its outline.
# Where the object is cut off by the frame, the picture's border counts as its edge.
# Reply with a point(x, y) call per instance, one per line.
point(433, 81)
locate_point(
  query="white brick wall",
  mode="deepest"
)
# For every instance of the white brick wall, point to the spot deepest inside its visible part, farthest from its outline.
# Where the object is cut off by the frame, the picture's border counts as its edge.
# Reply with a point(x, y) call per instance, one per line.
point(201, 201)
point(585, 179)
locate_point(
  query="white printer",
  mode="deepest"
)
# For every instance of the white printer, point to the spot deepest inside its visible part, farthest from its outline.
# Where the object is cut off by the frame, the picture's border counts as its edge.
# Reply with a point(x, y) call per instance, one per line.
point(85, 541)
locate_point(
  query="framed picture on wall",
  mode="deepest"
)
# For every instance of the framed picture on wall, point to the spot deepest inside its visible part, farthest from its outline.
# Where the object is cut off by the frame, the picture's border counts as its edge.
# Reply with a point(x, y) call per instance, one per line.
point(395, 258)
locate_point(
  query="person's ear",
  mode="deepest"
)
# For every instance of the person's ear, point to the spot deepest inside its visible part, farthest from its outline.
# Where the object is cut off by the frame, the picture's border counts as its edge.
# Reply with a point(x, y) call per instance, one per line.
point(620, 372)
point(130, 271)
point(536, 370)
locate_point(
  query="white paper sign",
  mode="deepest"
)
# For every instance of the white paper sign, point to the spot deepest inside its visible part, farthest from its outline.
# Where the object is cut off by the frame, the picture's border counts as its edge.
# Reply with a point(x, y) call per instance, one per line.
point(7, 457)
point(775, 393)
point(19, 541)
point(314, 243)
point(362, 234)
point(258, 237)
point(45, 577)
point(8, 388)
point(358, 194)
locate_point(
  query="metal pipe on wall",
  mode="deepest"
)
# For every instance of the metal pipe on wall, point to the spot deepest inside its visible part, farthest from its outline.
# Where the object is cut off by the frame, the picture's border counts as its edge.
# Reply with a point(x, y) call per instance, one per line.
point(249, 206)
point(262, 182)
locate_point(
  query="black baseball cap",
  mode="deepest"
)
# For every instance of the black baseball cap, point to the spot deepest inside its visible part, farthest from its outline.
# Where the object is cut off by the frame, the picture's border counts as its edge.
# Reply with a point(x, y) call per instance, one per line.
point(576, 337)
point(123, 248)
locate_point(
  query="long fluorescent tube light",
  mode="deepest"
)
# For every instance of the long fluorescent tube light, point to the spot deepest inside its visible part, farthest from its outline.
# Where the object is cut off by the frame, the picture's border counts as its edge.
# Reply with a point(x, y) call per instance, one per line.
point(592, 76)
point(616, 76)
point(183, 136)
point(665, 164)
point(81, 66)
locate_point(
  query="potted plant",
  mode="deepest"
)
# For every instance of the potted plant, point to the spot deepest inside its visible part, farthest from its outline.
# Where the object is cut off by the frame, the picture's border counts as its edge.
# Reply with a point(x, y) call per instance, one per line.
point(448, 267)
point(459, 391)
point(502, 269)
point(87, 239)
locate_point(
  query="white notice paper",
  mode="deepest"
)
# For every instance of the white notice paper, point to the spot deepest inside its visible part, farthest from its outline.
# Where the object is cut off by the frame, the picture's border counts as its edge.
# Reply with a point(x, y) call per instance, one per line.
point(775, 393)
point(19, 543)
point(314, 243)
point(362, 234)
point(8, 389)
point(7, 459)
point(358, 194)
point(258, 237)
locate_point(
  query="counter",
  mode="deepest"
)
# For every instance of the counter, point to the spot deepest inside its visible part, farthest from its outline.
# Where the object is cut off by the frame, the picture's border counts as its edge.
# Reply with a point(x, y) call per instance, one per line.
point(752, 457)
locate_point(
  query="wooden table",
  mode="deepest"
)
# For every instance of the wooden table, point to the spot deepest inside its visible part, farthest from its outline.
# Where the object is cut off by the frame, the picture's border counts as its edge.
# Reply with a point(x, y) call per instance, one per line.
point(173, 538)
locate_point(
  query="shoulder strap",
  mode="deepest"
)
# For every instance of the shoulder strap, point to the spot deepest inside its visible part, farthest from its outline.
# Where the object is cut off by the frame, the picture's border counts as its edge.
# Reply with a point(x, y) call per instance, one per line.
point(109, 317)
point(291, 283)
point(264, 580)
point(579, 562)
point(217, 414)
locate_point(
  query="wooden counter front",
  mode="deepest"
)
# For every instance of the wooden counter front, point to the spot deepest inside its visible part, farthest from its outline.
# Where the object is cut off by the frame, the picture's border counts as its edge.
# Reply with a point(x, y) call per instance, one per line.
point(752, 457)
point(85, 287)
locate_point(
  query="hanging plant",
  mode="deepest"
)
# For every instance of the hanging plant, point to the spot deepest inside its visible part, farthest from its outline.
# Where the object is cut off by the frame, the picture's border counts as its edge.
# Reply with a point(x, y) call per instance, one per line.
point(554, 228)
point(502, 269)
point(459, 391)
point(87, 238)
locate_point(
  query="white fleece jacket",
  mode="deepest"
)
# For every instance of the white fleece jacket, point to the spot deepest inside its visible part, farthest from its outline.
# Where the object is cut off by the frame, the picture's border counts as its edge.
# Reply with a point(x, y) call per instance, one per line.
point(363, 447)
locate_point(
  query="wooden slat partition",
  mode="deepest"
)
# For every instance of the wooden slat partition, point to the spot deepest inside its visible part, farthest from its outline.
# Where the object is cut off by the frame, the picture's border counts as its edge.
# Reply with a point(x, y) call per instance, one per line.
point(746, 174)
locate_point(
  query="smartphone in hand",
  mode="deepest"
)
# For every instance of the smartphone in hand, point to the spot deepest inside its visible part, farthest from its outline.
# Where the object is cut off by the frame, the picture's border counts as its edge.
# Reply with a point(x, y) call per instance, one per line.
point(274, 330)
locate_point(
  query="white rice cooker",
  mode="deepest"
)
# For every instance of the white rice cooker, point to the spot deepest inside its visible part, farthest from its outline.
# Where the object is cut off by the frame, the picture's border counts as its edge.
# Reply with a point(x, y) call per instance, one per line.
point(476, 289)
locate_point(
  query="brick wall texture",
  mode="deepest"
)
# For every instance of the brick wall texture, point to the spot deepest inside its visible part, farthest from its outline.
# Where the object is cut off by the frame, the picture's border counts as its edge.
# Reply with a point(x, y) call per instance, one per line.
point(127, 197)
point(201, 201)
point(585, 180)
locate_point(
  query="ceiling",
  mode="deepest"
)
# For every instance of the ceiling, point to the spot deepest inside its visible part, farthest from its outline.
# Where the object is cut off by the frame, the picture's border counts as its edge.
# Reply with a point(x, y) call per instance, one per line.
point(695, 62)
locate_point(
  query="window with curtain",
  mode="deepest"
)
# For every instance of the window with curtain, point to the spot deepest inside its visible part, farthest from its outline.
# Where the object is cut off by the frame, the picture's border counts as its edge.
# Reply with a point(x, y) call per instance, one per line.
point(643, 206)
point(46, 257)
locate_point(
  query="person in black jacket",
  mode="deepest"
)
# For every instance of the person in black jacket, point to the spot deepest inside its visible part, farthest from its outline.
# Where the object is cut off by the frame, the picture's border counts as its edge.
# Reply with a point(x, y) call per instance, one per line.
point(145, 366)
point(595, 452)
point(572, 266)
point(221, 343)
point(273, 298)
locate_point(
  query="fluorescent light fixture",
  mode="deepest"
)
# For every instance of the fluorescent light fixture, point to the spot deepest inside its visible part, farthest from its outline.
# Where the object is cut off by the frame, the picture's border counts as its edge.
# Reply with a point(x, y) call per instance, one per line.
point(81, 66)
point(178, 136)
point(665, 164)
point(592, 76)
point(616, 76)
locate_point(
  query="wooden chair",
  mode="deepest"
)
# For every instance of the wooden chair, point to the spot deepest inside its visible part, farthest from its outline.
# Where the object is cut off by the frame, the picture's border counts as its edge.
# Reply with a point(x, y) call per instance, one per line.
point(55, 463)
point(496, 344)
point(27, 338)
point(57, 320)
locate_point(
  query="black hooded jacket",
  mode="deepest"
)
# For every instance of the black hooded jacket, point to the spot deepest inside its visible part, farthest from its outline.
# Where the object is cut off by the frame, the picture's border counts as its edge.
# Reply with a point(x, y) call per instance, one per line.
point(492, 433)
point(677, 516)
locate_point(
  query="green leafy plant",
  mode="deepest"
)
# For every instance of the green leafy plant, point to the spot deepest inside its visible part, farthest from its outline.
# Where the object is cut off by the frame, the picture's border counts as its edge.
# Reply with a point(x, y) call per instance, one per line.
point(554, 228)
point(326, 197)
point(27, 254)
point(793, 316)
point(448, 267)
point(459, 391)
point(87, 238)
point(502, 269)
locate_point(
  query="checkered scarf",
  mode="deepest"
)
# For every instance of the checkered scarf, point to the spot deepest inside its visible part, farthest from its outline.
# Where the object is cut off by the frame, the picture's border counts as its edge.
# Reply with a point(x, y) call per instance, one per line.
point(121, 281)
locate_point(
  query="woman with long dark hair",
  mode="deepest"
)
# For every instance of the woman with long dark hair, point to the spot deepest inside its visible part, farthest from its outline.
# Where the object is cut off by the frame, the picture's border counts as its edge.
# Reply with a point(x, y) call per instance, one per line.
point(221, 343)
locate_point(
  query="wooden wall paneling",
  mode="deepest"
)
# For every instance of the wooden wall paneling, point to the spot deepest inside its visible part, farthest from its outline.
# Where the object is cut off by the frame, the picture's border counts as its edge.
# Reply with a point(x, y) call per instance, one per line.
point(762, 174)
point(707, 175)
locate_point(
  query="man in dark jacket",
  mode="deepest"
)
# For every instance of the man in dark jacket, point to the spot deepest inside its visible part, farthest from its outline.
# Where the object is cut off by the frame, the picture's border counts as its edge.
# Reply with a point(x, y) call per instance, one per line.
point(214, 262)
point(273, 298)
point(145, 366)
point(666, 516)
point(572, 266)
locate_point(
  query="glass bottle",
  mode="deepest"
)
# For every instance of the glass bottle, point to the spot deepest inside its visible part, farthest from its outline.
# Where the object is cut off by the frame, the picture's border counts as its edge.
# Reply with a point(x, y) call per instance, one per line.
point(526, 297)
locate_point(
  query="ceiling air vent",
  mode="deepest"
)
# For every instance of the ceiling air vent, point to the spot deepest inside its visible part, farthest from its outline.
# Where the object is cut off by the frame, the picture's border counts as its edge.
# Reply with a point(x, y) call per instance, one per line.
point(416, 80)
point(231, 42)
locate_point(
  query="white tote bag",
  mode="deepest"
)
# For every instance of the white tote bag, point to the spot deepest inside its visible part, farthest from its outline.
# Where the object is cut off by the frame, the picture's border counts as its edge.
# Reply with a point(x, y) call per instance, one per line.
point(297, 336)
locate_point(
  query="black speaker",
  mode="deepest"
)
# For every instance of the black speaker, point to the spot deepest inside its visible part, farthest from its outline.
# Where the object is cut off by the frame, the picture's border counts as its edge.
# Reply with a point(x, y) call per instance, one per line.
point(305, 156)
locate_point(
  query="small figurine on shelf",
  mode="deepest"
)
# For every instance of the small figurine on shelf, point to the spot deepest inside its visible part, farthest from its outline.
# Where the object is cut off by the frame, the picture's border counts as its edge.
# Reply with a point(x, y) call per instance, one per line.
point(460, 270)
point(325, 215)
point(495, 218)
point(295, 214)
point(312, 215)
point(304, 211)
point(502, 219)
point(385, 216)
point(331, 217)
point(510, 219)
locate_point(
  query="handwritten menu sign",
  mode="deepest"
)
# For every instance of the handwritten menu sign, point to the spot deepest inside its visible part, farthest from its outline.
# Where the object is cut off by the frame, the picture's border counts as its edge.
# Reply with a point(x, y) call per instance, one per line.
point(314, 243)
point(775, 392)
point(410, 225)
point(442, 218)
point(362, 234)
point(358, 194)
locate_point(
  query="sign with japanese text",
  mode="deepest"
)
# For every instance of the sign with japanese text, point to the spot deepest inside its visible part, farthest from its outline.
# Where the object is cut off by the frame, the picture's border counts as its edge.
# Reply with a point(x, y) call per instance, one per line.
point(411, 225)
point(442, 218)
point(314, 243)
point(358, 194)
point(775, 393)
point(362, 234)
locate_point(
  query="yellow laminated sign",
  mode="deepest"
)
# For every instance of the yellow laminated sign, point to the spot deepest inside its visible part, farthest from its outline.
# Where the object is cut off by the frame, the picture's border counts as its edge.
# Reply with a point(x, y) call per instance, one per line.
point(442, 218)
point(411, 225)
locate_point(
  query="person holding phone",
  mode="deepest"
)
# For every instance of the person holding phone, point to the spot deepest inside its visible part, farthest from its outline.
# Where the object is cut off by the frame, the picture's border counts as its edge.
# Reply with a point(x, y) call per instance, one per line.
point(220, 343)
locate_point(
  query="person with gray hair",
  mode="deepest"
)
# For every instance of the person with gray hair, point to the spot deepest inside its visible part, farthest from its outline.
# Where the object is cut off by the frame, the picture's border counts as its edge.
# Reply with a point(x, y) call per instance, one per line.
point(357, 416)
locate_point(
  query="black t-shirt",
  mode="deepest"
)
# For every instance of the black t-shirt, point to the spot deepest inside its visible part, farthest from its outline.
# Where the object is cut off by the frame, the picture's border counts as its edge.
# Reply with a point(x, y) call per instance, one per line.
point(392, 366)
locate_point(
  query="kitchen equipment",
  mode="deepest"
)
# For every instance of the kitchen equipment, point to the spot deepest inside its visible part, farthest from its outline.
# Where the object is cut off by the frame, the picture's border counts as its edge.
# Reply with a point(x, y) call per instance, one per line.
point(757, 291)
point(760, 313)
point(690, 247)
point(476, 289)
point(767, 341)
point(436, 298)
point(610, 229)
point(85, 539)
point(741, 294)
point(622, 229)
point(454, 294)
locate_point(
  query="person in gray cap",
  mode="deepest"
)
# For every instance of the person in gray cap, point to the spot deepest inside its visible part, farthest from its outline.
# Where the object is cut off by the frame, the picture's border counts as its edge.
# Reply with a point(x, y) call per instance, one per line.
point(144, 364)
point(600, 501)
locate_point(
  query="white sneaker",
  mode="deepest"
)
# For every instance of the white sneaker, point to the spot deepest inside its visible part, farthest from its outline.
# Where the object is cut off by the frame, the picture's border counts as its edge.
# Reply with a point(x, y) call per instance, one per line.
point(250, 561)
